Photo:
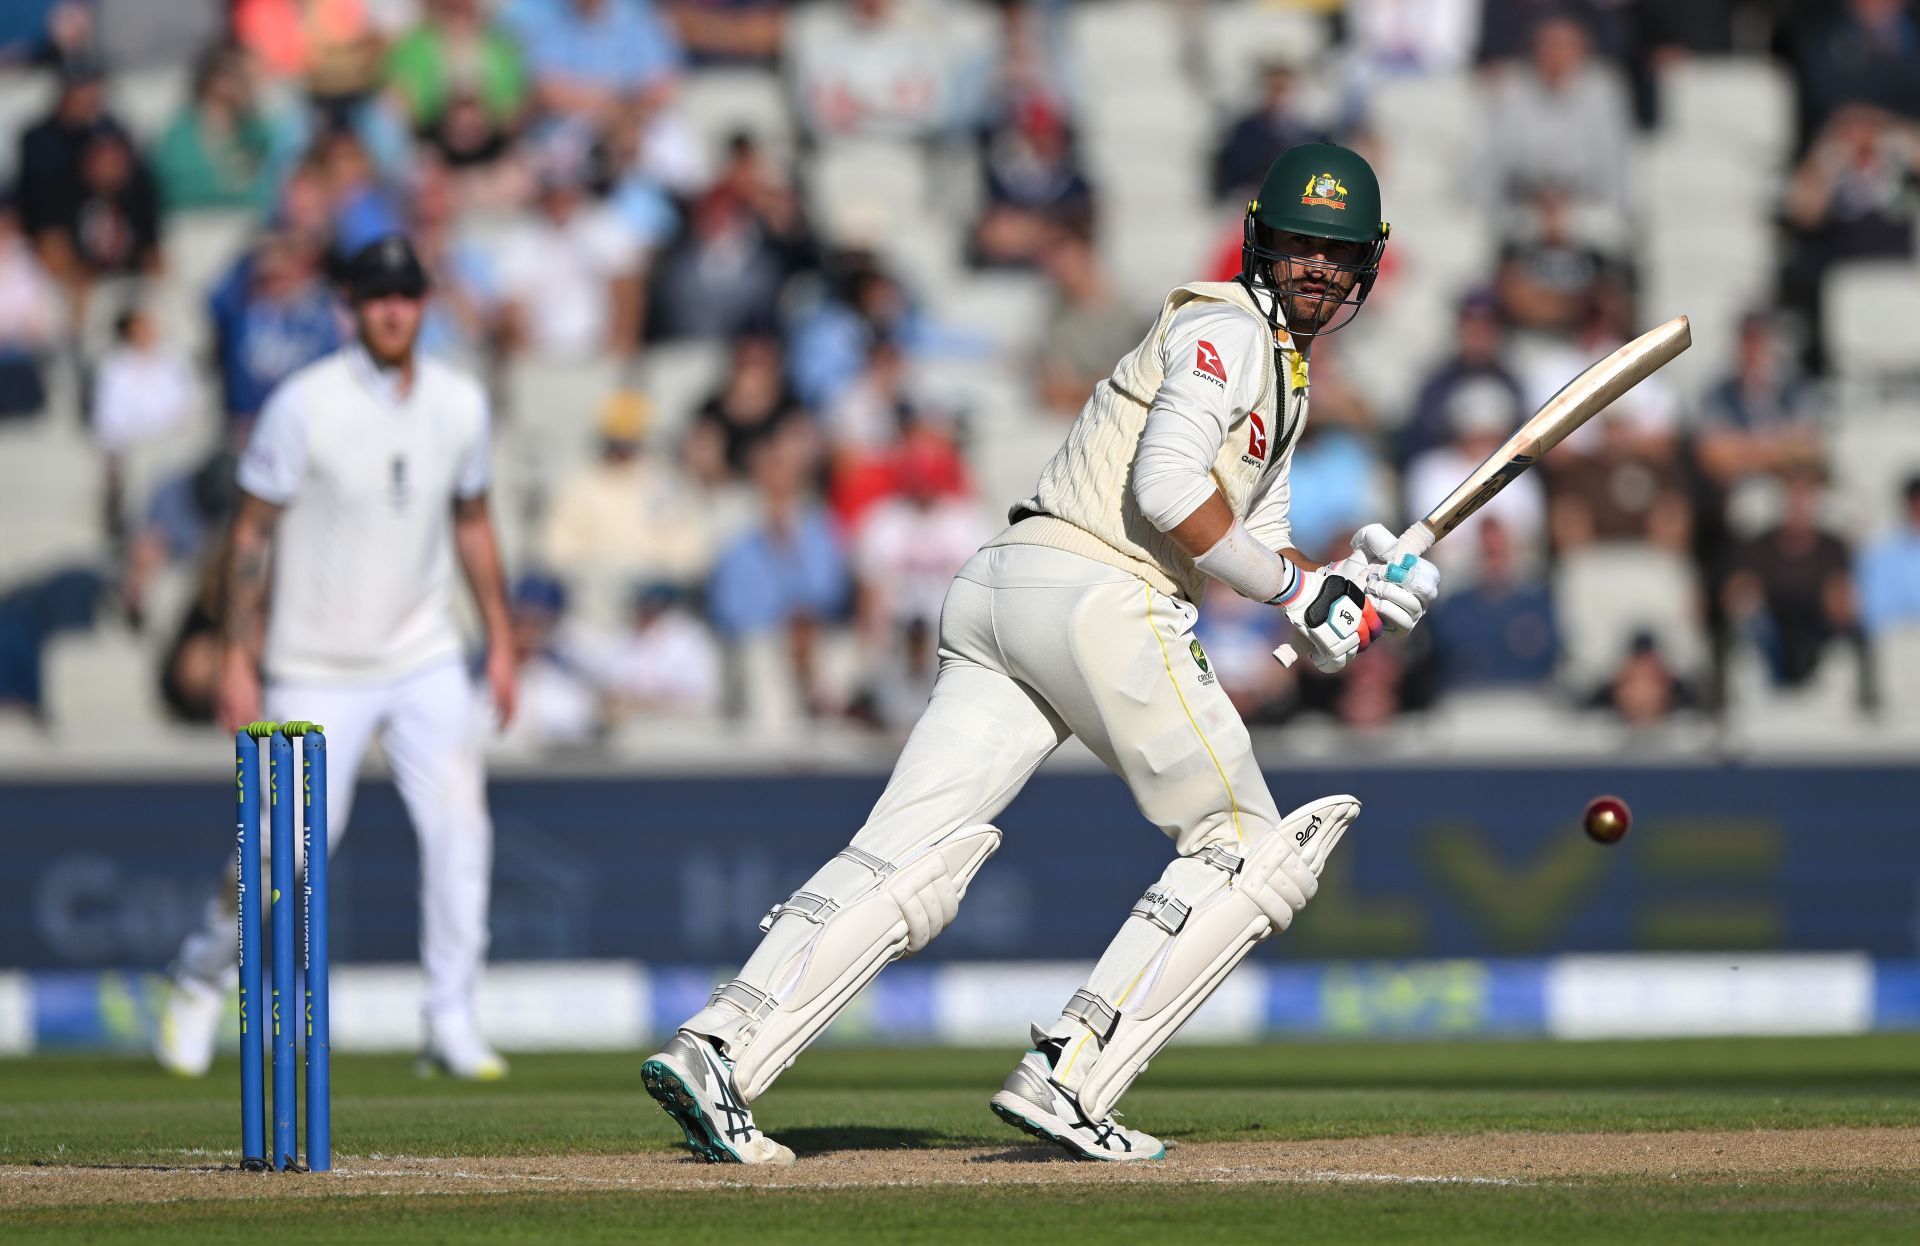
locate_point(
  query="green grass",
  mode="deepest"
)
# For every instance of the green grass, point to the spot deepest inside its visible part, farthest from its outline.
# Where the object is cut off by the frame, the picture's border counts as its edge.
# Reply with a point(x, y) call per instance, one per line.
point(74, 1110)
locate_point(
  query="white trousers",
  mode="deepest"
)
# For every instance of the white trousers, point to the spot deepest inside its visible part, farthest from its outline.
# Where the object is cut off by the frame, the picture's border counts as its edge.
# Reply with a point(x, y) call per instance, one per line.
point(1037, 644)
point(430, 728)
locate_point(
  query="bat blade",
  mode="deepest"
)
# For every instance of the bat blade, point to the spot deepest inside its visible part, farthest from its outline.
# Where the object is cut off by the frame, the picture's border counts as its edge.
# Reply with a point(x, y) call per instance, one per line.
point(1578, 401)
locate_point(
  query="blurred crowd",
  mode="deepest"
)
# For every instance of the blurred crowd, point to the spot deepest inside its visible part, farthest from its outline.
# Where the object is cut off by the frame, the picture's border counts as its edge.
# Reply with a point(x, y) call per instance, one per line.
point(779, 552)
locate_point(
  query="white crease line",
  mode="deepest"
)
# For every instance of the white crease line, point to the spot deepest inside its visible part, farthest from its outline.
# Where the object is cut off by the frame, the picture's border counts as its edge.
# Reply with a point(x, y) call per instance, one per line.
point(1395, 1178)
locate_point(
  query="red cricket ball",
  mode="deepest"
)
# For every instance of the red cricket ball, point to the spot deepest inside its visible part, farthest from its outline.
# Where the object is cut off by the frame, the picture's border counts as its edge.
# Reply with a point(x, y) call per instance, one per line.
point(1607, 819)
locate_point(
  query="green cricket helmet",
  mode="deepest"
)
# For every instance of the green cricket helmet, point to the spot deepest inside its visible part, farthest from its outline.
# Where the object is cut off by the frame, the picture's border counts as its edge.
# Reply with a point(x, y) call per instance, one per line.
point(1317, 217)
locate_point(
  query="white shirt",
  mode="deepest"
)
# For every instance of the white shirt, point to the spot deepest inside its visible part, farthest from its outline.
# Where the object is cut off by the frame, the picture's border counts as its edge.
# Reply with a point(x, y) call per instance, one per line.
point(911, 555)
point(141, 395)
point(561, 276)
point(672, 664)
point(363, 558)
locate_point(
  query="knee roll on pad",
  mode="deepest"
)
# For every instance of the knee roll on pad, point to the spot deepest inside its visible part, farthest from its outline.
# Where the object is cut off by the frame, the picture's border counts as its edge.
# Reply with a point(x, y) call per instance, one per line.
point(1180, 942)
point(827, 941)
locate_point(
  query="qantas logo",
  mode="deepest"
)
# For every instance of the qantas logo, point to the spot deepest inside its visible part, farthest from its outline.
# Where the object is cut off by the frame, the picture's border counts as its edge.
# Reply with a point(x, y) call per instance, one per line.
point(1256, 438)
point(1207, 363)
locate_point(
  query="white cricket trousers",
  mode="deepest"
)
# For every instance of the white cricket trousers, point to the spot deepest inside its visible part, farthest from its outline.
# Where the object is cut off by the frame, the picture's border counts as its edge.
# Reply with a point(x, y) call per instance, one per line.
point(430, 727)
point(1037, 644)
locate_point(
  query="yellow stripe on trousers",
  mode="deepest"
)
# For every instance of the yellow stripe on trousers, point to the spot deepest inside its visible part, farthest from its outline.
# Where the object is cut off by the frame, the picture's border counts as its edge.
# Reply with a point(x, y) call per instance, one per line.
point(1232, 804)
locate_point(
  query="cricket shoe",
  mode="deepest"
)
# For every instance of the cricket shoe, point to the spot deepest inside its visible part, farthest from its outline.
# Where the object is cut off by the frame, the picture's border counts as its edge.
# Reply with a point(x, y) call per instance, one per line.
point(454, 1047)
point(1032, 1102)
point(694, 1083)
point(189, 1027)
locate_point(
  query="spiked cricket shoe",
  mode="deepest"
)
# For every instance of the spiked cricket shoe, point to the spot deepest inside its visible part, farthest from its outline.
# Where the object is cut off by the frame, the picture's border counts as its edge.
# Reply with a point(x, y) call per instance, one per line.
point(694, 1083)
point(189, 1027)
point(1032, 1102)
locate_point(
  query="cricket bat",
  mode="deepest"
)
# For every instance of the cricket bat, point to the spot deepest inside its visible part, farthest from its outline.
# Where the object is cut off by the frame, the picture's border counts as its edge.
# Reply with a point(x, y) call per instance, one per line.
point(1582, 398)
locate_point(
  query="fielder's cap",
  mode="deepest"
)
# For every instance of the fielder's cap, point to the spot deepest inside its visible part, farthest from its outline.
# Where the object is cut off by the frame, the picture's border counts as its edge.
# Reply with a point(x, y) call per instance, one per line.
point(383, 267)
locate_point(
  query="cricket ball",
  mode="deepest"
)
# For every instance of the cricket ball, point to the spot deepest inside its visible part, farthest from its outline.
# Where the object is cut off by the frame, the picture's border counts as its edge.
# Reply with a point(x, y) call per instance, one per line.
point(1607, 819)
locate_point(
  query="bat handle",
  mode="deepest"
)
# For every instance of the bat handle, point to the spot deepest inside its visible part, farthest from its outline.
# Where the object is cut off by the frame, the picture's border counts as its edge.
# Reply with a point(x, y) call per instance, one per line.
point(1416, 540)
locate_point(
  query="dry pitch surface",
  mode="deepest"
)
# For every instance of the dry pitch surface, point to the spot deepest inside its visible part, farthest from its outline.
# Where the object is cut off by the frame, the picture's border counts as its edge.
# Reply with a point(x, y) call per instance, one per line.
point(1756, 1141)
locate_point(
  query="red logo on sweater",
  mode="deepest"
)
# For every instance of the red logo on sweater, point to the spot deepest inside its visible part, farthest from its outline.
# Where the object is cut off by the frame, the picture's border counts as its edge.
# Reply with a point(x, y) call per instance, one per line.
point(1208, 361)
point(1256, 437)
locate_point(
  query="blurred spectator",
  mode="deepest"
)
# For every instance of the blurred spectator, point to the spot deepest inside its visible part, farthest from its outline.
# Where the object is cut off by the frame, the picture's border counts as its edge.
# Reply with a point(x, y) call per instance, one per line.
point(190, 666)
point(587, 56)
point(1645, 420)
point(31, 614)
point(51, 183)
point(1889, 571)
point(1644, 690)
point(1239, 638)
point(778, 582)
point(1034, 188)
point(332, 46)
point(1087, 330)
point(272, 315)
point(768, 194)
point(183, 522)
point(461, 82)
point(832, 339)
point(876, 69)
point(557, 702)
point(1762, 421)
point(1791, 590)
point(142, 389)
point(1498, 628)
point(215, 151)
point(1336, 479)
point(464, 315)
point(631, 515)
point(911, 543)
point(571, 273)
point(361, 207)
point(23, 31)
point(1561, 120)
point(908, 548)
point(1853, 196)
point(730, 32)
point(1550, 278)
point(71, 35)
point(872, 428)
point(1508, 27)
point(85, 197)
point(29, 319)
point(752, 404)
point(649, 143)
point(721, 279)
point(1250, 144)
point(1478, 355)
point(665, 663)
point(1481, 413)
point(1388, 38)
point(1857, 52)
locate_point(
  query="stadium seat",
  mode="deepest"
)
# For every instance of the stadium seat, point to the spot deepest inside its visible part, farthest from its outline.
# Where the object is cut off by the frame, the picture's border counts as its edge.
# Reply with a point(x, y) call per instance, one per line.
point(718, 103)
point(147, 99)
point(864, 191)
point(1873, 319)
point(1009, 309)
point(1897, 663)
point(1874, 449)
point(201, 246)
point(551, 406)
point(1241, 34)
point(1744, 105)
point(25, 96)
point(678, 377)
point(1125, 40)
point(51, 505)
point(105, 675)
point(1606, 593)
point(1436, 117)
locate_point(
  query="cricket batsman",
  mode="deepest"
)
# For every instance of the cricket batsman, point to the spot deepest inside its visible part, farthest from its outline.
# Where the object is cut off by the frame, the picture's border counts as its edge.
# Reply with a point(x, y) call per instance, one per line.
point(1078, 620)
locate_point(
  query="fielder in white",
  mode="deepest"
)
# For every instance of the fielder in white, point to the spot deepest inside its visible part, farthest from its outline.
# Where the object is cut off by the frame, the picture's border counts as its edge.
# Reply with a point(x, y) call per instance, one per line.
point(1078, 620)
point(364, 481)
